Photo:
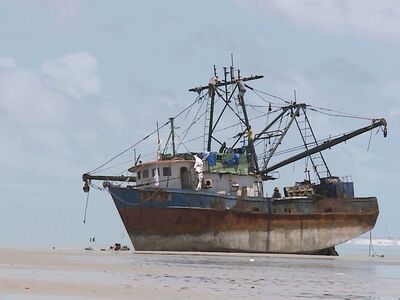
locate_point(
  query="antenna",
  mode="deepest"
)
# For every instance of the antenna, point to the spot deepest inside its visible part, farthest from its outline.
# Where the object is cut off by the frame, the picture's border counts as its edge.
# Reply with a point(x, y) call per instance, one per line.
point(232, 68)
point(158, 143)
point(173, 136)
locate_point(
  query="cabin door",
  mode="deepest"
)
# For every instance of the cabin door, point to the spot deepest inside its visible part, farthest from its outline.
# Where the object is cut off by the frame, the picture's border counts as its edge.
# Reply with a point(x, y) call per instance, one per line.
point(185, 178)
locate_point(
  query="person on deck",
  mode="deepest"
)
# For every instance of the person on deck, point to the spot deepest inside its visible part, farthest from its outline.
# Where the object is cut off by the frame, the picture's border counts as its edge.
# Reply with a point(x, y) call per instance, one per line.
point(223, 148)
point(276, 193)
point(198, 167)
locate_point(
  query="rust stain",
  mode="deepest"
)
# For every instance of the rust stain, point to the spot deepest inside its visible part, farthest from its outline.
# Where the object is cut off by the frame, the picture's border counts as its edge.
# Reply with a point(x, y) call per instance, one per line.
point(192, 221)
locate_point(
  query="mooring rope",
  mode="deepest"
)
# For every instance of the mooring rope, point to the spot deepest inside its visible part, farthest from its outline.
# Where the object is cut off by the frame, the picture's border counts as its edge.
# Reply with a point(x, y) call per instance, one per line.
point(371, 247)
point(86, 206)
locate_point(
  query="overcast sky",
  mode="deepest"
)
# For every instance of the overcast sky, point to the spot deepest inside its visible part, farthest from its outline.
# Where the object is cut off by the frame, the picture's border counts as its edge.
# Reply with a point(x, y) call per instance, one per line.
point(82, 80)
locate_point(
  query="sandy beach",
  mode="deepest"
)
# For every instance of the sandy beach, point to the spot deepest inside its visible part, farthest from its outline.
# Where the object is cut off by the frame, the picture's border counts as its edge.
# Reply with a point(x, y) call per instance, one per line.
point(57, 274)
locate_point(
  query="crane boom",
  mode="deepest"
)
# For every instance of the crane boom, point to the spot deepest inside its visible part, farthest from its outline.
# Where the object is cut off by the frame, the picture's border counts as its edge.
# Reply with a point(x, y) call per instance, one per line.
point(328, 144)
point(86, 177)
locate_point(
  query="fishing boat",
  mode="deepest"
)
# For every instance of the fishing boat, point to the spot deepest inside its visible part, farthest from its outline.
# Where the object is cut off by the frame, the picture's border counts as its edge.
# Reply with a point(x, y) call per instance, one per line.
point(214, 198)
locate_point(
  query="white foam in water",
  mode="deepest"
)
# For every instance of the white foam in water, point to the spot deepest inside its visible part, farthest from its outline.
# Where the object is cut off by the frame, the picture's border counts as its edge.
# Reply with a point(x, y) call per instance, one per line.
point(376, 241)
point(361, 247)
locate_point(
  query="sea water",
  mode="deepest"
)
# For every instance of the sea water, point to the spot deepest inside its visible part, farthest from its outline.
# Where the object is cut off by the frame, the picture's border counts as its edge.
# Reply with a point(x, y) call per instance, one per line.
point(374, 247)
point(280, 277)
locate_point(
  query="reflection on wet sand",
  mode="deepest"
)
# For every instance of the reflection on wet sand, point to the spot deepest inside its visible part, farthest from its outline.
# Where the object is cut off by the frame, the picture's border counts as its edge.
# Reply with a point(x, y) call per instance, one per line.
point(38, 274)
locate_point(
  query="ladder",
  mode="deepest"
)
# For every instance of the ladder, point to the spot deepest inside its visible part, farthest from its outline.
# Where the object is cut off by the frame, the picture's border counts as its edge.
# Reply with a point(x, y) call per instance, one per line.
point(318, 162)
point(206, 124)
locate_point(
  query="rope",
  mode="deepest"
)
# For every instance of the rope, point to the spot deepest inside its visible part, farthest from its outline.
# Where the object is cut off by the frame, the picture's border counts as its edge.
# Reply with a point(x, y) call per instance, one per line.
point(322, 110)
point(299, 147)
point(195, 120)
point(371, 247)
point(96, 187)
point(115, 166)
point(336, 113)
point(143, 139)
point(181, 143)
point(198, 100)
point(369, 141)
point(126, 150)
point(268, 94)
point(86, 206)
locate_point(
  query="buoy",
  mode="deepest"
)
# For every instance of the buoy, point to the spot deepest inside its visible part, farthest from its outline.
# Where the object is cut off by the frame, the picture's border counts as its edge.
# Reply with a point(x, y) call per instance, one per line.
point(86, 187)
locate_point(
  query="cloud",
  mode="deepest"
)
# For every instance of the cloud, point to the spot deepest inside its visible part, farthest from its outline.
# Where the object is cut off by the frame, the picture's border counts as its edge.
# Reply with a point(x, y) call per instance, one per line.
point(364, 16)
point(67, 9)
point(112, 115)
point(40, 123)
point(7, 62)
point(26, 100)
point(66, 12)
point(294, 81)
point(42, 98)
point(343, 70)
point(392, 88)
point(74, 74)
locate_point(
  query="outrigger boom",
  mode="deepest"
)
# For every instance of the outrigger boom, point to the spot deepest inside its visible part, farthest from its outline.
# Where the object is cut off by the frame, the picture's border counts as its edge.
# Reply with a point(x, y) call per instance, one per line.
point(328, 144)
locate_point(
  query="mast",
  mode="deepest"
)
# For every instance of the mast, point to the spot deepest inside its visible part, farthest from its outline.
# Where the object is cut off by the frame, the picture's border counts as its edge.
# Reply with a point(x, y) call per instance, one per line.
point(211, 90)
point(221, 83)
point(158, 143)
point(172, 135)
point(242, 90)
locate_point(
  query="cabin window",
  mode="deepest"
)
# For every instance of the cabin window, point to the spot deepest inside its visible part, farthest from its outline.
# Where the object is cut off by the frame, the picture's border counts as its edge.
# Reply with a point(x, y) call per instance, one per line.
point(138, 174)
point(166, 171)
point(145, 173)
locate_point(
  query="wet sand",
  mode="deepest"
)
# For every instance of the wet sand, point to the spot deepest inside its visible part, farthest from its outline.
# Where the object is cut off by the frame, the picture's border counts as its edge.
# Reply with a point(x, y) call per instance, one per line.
point(56, 274)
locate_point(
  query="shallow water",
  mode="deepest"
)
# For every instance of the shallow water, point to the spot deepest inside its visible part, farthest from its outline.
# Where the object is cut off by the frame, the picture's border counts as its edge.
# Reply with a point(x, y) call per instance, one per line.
point(198, 276)
point(280, 277)
point(361, 248)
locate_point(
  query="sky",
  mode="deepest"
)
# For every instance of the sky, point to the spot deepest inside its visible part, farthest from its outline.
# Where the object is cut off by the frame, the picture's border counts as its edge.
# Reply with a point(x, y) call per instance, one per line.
point(82, 80)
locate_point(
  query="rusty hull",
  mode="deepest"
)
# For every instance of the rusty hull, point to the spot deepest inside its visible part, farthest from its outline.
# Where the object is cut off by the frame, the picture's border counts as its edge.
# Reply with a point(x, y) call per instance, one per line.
point(280, 226)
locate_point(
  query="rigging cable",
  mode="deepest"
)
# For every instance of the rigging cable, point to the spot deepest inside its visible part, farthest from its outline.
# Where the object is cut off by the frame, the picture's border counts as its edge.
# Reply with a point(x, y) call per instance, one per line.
point(182, 143)
point(335, 113)
point(118, 165)
point(143, 139)
point(302, 146)
point(126, 150)
point(86, 206)
point(268, 94)
point(198, 100)
point(369, 141)
point(371, 247)
point(185, 132)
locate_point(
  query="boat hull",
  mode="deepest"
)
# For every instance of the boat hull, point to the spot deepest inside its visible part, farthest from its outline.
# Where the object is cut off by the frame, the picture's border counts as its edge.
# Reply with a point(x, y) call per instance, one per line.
point(178, 221)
